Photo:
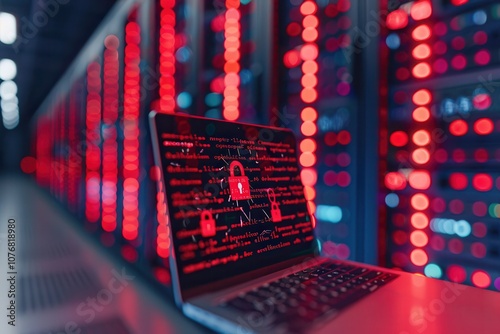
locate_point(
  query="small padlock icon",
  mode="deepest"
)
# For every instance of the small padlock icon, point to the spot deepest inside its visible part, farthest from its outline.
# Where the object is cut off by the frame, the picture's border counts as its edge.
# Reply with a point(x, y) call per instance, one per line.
point(275, 209)
point(238, 185)
point(207, 224)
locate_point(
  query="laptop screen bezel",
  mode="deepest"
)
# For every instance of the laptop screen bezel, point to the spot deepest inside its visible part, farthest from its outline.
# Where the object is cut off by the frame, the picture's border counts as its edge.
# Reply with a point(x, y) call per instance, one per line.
point(181, 295)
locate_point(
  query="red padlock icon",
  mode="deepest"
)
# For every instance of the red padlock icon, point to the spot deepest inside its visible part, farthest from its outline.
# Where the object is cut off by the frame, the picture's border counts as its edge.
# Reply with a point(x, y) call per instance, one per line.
point(238, 185)
point(275, 209)
point(207, 224)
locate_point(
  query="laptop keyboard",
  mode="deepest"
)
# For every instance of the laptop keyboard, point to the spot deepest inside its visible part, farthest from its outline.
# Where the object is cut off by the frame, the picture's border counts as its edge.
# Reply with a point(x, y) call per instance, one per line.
point(310, 295)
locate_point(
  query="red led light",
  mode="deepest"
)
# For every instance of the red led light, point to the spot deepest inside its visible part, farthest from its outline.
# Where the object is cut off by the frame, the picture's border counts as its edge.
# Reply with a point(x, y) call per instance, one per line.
point(308, 8)
point(330, 178)
point(421, 33)
point(419, 238)
point(421, 97)
point(439, 47)
point(482, 57)
point(344, 137)
point(478, 250)
point(458, 181)
point(343, 179)
point(419, 179)
point(421, 51)
point(479, 229)
point(483, 126)
point(481, 279)
point(421, 156)
point(482, 182)
point(421, 10)
point(440, 66)
point(421, 137)
point(292, 59)
point(456, 273)
point(398, 138)
point(397, 19)
point(293, 29)
point(421, 114)
point(481, 101)
point(440, 29)
point(459, 2)
point(458, 62)
point(419, 257)
point(458, 155)
point(455, 246)
point(438, 205)
point(419, 220)
point(402, 73)
point(480, 38)
point(458, 43)
point(458, 127)
point(395, 181)
point(309, 176)
point(456, 206)
point(419, 202)
point(422, 70)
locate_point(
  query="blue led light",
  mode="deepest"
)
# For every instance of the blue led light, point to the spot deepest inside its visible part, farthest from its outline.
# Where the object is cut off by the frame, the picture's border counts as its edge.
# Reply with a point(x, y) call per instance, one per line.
point(184, 100)
point(392, 200)
point(213, 113)
point(479, 17)
point(433, 270)
point(213, 99)
point(462, 228)
point(183, 54)
point(245, 2)
point(329, 213)
point(393, 41)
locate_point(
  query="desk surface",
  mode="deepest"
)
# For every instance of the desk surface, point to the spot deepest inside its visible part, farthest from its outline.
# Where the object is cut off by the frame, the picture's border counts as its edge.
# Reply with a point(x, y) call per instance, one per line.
point(66, 282)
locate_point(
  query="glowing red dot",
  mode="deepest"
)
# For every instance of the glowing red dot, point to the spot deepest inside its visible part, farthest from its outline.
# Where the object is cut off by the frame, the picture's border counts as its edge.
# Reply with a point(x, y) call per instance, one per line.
point(440, 47)
point(395, 181)
point(459, 2)
point(482, 182)
point(480, 38)
point(440, 29)
point(440, 66)
point(397, 19)
point(458, 62)
point(399, 138)
point(458, 181)
point(456, 273)
point(478, 250)
point(483, 126)
point(344, 137)
point(458, 43)
point(421, 10)
point(481, 279)
point(482, 57)
point(455, 246)
point(458, 155)
point(458, 127)
point(481, 101)
point(481, 155)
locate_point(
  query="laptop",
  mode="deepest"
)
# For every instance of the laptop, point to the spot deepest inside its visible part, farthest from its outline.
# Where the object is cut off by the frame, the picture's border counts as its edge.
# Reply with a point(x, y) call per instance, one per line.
point(244, 258)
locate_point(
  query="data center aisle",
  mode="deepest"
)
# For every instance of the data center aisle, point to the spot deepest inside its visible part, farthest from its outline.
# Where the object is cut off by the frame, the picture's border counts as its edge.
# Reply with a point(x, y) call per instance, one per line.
point(64, 283)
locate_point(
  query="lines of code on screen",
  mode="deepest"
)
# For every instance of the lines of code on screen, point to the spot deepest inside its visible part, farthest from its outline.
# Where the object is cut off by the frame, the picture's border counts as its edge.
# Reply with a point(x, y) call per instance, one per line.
point(236, 201)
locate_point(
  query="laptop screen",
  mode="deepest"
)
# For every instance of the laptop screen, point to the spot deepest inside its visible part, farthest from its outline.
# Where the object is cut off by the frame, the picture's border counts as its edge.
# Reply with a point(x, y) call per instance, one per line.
point(235, 199)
